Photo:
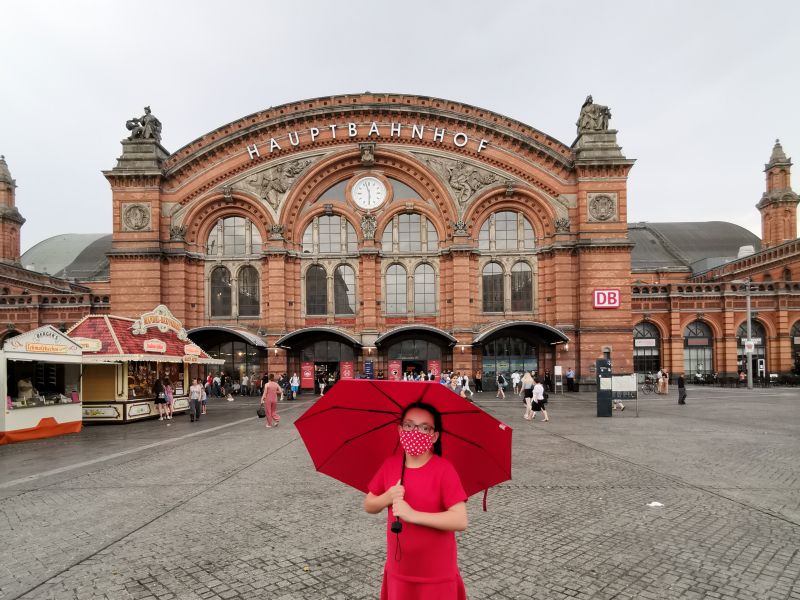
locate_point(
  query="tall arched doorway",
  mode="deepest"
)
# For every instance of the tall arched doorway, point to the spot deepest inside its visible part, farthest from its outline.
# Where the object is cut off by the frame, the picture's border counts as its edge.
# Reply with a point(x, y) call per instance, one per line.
point(646, 348)
point(516, 346)
point(698, 349)
point(320, 354)
point(414, 349)
point(758, 359)
point(795, 341)
point(242, 351)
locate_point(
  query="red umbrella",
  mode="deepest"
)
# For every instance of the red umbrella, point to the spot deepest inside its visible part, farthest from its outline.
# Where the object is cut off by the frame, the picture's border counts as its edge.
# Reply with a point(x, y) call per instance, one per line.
point(352, 429)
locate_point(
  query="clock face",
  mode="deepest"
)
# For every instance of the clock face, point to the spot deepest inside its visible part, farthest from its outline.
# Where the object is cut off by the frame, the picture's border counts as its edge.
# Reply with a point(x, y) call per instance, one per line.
point(369, 193)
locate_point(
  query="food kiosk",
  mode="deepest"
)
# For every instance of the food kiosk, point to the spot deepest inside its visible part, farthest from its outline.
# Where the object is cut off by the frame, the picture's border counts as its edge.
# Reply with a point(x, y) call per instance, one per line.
point(123, 357)
point(40, 379)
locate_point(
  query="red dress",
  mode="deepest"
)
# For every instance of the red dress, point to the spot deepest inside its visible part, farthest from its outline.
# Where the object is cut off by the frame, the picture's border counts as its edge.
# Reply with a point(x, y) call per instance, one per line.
point(425, 566)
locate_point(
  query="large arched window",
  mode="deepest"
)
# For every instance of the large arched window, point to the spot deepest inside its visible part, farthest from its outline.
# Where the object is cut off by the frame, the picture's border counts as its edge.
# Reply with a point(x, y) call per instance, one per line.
point(506, 230)
point(698, 349)
point(521, 287)
point(493, 288)
point(316, 291)
point(344, 290)
point(220, 292)
point(424, 289)
point(409, 232)
point(646, 348)
point(396, 290)
point(234, 236)
point(247, 282)
point(329, 234)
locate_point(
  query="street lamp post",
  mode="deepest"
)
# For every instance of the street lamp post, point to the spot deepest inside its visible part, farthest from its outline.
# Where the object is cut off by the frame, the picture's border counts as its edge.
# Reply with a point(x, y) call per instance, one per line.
point(748, 346)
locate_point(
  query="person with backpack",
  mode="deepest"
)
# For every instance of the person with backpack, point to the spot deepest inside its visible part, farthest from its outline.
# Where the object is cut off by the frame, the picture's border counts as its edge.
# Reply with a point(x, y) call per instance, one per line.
point(501, 387)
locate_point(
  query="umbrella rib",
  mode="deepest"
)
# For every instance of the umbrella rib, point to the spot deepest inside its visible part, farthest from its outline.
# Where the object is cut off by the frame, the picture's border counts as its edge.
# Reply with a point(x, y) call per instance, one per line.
point(355, 437)
point(353, 408)
point(387, 396)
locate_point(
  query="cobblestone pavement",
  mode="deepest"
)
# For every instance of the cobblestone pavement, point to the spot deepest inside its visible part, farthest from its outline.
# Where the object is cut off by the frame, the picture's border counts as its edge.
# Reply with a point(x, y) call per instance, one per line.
point(225, 508)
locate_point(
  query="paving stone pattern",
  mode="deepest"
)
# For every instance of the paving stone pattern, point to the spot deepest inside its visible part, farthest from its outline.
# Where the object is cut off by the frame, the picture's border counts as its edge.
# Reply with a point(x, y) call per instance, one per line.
point(238, 512)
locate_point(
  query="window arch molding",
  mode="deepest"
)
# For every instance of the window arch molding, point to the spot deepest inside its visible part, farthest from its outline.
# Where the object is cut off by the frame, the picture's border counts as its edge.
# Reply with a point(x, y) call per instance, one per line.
point(395, 216)
point(317, 217)
point(535, 205)
point(416, 207)
point(203, 216)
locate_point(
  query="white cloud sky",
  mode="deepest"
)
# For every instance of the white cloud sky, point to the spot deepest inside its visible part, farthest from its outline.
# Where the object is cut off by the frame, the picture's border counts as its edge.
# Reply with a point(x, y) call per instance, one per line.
point(698, 90)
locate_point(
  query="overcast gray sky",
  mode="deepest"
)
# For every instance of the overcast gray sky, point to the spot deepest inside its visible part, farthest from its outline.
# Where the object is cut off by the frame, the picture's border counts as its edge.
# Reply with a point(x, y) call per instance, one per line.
point(698, 90)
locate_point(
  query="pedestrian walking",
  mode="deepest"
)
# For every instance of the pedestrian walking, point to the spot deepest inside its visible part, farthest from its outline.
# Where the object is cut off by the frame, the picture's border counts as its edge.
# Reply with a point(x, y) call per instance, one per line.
point(170, 394)
point(160, 398)
point(269, 398)
point(527, 394)
point(515, 383)
point(323, 381)
point(196, 395)
point(478, 381)
point(294, 383)
point(245, 385)
point(539, 400)
point(681, 389)
point(501, 386)
point(422, 491)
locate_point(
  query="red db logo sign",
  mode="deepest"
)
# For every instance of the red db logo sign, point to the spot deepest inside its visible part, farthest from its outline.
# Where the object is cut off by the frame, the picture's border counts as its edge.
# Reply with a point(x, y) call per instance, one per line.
point(606, 298)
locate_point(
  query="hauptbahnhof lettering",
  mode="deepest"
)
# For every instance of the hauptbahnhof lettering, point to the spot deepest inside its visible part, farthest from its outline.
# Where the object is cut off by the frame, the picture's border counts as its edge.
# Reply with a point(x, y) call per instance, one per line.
point(384, 233)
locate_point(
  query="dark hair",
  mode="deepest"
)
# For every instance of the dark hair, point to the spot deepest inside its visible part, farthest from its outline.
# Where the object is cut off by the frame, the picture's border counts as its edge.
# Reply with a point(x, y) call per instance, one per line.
point(272, 376)
point(437, 421)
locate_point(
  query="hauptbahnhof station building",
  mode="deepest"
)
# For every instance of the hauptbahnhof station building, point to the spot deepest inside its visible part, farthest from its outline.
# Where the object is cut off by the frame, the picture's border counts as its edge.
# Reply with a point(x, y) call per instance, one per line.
point(383, 233)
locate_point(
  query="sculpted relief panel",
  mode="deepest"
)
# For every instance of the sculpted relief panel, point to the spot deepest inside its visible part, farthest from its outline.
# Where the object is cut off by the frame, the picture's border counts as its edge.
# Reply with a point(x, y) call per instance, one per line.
point(272, 184)
point(462, 179)
point(602, 207)
point(135, 217)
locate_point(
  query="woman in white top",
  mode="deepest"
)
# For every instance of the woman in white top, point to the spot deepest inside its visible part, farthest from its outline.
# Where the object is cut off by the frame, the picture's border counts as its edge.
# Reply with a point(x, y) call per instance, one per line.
point(538, 400)
point(527, 394)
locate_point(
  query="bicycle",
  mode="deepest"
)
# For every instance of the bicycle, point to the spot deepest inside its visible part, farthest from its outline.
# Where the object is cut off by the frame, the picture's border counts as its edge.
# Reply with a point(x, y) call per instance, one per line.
point(648, 385)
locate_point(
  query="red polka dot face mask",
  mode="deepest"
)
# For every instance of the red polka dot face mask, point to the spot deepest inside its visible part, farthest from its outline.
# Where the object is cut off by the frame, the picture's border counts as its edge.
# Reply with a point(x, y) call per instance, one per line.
point(416, 443)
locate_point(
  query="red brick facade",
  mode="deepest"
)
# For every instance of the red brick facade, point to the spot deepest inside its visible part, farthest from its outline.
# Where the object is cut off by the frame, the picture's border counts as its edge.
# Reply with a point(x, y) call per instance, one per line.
point(453, 167)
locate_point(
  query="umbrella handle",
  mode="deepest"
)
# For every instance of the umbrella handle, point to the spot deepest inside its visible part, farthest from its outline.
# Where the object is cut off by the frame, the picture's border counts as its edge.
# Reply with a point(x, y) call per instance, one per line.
point(397, 526)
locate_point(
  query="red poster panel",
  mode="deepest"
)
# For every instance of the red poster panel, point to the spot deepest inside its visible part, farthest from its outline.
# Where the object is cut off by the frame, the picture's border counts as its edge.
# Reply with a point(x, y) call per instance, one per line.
point(346, 370)
point(307, 375)
point(395, 370)
point(435, 366)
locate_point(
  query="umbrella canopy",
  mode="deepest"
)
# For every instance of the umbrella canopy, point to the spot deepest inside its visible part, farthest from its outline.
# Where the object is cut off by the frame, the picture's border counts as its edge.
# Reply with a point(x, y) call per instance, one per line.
point(352, 429)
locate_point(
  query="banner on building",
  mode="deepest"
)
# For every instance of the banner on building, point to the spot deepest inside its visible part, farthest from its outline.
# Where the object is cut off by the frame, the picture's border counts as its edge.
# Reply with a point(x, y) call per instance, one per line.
point(307, 375)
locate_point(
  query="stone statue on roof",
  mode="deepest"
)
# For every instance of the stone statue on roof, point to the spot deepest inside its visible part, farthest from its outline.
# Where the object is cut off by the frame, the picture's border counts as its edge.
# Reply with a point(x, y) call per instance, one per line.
point(146, 127)
point(593, 117)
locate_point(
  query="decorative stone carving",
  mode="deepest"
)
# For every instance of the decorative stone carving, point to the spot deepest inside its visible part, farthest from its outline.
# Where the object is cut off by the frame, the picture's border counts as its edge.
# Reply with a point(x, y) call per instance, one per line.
point(227, 194)
point(593, 117)
point(463, 180)
point(602, 207)
point(276, 232)
point(368, 225)
point(562, 225)
point(509, 188)
point(135, 217)
point(177, 233)
point(273, 183)
point(459, 229)
point(146, 127)
point(367, 154)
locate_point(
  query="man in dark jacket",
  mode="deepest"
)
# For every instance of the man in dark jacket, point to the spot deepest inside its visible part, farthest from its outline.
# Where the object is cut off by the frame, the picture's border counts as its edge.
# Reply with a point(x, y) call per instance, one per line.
point(681, 389)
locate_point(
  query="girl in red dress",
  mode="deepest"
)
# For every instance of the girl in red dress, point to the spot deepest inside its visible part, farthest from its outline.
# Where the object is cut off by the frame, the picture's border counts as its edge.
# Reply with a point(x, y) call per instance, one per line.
point(423, 491)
